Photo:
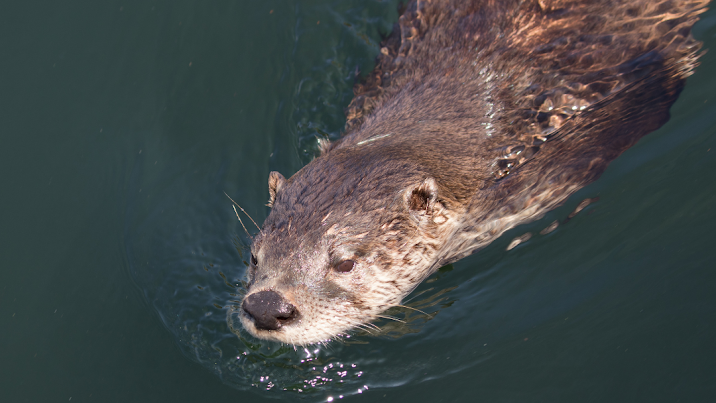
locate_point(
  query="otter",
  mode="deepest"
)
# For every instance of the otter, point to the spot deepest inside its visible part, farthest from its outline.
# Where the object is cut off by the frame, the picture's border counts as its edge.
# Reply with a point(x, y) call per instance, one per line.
point(479, 116)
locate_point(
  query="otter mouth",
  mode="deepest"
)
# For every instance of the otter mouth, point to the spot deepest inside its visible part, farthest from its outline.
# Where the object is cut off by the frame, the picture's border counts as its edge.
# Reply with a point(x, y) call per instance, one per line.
point(269, 310)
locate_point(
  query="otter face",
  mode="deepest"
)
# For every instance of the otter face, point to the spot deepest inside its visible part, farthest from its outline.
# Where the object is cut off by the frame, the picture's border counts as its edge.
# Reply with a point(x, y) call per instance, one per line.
point(316, 274)
point(309, 297)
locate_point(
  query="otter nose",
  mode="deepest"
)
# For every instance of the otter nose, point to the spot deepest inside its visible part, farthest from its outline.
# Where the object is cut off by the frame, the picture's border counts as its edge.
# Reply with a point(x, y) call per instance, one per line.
point(269, 310)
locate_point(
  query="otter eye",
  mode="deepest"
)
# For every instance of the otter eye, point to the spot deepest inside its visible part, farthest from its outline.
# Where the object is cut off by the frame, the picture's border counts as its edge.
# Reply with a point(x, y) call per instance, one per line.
point(253, 260)
point(345, 266)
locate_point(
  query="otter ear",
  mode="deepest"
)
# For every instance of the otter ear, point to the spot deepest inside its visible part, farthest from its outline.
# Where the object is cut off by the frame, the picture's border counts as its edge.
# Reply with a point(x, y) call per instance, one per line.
point(422, 198)
point(275, 182)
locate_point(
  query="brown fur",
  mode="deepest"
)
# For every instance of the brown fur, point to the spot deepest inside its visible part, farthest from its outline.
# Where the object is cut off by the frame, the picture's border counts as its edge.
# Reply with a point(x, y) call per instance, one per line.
point(479, 116)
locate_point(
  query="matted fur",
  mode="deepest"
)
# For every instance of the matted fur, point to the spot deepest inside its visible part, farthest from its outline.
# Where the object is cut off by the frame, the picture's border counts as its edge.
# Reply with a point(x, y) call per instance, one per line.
point(479, 116)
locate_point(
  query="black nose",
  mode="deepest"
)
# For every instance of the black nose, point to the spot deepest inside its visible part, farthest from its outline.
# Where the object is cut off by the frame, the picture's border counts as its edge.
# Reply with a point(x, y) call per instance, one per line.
point(269, 310)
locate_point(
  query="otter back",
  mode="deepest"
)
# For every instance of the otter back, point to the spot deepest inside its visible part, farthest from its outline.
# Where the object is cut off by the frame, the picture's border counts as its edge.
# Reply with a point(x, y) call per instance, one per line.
point(478, 117)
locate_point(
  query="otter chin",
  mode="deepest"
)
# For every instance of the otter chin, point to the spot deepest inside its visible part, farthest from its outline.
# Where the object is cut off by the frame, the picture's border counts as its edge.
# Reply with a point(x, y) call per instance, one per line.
point(479, 116)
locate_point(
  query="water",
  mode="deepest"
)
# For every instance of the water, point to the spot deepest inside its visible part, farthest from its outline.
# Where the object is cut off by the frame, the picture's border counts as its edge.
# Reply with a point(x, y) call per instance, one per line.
point(123, 124)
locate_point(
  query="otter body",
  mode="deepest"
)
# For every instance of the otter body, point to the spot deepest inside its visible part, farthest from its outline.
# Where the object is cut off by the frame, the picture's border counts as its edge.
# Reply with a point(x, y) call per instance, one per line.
point(479, 116)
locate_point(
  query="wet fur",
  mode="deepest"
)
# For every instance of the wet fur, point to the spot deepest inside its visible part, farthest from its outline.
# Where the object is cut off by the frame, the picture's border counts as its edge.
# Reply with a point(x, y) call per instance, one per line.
point(479, 116)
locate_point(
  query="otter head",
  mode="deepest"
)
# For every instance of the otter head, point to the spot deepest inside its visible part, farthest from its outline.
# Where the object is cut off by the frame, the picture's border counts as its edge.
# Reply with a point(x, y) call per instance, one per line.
point(346, 239)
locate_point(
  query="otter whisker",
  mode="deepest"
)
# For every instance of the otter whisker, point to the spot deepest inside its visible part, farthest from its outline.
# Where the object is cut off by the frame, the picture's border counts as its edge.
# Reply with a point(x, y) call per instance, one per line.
point(363, 325)
point(367, 328)
point(417, 294)
point(410, 307)
point(242, 224)
point(243, 211)
point(391, 318)
point(371, 325)
point(374, 326)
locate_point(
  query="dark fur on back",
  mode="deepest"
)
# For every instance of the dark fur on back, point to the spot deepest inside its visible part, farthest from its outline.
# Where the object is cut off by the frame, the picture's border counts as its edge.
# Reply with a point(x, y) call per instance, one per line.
point(479, 116)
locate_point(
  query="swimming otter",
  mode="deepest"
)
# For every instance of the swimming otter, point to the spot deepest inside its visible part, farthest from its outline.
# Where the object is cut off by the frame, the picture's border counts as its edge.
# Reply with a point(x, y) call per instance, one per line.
point(479, 116)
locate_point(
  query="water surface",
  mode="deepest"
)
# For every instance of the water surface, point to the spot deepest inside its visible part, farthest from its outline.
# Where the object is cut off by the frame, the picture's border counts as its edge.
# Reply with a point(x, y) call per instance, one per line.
point(123, 125)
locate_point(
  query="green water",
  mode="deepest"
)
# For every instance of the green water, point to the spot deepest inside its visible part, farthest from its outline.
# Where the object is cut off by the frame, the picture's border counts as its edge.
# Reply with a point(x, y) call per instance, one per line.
point(124, 122)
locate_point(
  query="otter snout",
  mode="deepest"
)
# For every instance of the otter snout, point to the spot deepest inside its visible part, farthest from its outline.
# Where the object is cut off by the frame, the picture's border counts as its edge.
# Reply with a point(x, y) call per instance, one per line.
point(269, 310)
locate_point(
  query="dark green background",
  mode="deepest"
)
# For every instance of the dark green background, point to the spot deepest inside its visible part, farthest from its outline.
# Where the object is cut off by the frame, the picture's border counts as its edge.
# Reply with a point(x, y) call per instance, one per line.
point(122, 124)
